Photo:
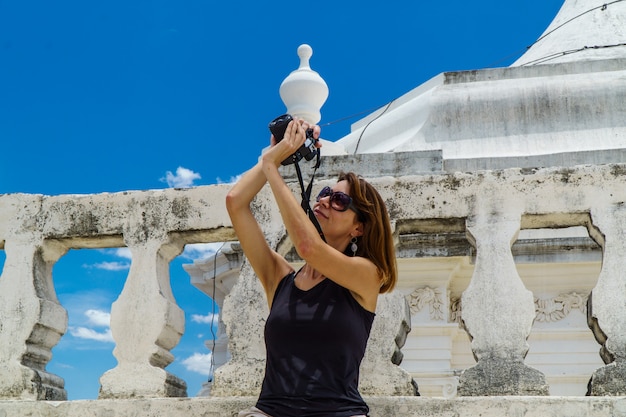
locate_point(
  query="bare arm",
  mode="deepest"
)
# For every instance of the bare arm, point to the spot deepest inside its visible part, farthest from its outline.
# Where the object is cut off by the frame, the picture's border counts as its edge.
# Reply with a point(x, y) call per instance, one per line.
point(269, 266)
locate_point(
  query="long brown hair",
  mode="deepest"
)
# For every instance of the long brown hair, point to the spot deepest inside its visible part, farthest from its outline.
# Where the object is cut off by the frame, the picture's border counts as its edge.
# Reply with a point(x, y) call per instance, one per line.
point(376, 244)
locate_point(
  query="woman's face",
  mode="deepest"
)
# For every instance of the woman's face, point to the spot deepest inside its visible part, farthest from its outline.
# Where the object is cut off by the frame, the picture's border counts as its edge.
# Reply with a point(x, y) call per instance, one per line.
point(332, 212)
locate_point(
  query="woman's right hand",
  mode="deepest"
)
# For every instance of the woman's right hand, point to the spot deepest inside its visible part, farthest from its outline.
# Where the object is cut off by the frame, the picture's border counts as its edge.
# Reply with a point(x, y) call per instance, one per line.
point(292, 140)
point(294, 137)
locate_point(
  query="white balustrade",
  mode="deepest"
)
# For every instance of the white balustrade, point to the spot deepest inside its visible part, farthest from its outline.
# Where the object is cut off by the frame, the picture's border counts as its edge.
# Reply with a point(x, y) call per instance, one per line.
point(496, 306)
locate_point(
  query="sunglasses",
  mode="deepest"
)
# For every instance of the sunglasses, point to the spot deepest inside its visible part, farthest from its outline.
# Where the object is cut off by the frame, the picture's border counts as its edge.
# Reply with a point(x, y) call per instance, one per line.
point(338, 201)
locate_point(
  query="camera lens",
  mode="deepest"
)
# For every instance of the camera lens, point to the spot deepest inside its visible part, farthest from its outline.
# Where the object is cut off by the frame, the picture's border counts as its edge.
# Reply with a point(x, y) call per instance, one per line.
point(278, 126)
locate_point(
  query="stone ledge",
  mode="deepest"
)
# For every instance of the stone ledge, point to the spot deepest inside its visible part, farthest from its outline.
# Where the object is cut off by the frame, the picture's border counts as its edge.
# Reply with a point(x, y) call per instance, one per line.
point(559, 159)
point(380, 407)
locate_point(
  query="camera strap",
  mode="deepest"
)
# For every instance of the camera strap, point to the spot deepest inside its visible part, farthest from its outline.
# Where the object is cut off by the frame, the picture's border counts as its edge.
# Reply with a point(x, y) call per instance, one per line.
point(306, 194)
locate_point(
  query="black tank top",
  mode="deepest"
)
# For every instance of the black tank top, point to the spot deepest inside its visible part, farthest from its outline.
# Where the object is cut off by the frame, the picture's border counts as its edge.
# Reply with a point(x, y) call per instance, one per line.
point(315, 342)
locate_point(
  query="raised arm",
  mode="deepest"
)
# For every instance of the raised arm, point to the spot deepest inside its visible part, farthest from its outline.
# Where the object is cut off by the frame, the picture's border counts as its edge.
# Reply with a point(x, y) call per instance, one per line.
point(269, 266)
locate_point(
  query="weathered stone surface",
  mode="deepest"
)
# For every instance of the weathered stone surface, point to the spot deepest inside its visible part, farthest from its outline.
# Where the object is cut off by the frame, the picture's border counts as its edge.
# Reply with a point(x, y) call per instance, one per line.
point(244, 314)
point(380, 375)
point(379, 407)
point(497, 377)
point(498, 311)
point(514, 112)
point(606, 304)
point(609, 380)
point(31, 320)
point(146, 324)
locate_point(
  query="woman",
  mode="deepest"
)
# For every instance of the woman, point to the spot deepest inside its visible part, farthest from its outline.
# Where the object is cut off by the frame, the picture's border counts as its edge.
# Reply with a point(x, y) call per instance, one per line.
point(321, 315)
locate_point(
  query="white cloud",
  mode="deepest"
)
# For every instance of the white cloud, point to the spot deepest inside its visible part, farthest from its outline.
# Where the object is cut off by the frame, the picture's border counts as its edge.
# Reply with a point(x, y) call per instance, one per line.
point(199, 363)
point(98, 318)
point(183, 178)
point(95, 318)
point(232, 180)
point(123, 253)
point(201, 250)
point(110, 266)
point(208, 319)
point(79, 302)
point(90, 334)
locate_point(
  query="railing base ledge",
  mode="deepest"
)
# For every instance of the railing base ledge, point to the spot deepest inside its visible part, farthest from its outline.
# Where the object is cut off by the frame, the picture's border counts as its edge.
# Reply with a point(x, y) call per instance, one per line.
point(512, 406)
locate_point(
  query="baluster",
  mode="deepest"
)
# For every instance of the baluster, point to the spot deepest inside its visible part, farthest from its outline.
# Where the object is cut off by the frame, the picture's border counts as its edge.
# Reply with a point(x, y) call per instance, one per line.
point(244, 313)
point(380, 373)
point(606, 305)
point(498, 312)
point(32, 322)
point(146, 324)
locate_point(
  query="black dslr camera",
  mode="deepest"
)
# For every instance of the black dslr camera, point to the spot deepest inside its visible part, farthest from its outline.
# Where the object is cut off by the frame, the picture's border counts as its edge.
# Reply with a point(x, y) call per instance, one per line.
point(278, 126)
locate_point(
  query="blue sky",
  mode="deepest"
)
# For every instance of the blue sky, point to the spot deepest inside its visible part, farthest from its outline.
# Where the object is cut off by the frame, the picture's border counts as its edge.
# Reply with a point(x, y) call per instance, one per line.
point(137, 95)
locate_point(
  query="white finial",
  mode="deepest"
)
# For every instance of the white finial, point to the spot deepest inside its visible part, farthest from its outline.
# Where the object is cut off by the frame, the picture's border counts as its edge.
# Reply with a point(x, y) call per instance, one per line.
point(305, 52)
point(304, 92)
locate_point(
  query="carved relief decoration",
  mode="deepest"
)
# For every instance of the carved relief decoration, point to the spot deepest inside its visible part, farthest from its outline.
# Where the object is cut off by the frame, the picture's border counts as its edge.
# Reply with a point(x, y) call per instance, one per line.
point(431, 297)
point(547, 309)
point(555, 309)
point(455, 310)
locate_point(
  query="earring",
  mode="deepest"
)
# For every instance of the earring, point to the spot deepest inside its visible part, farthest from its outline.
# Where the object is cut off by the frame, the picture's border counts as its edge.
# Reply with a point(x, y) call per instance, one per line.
point(353, 246)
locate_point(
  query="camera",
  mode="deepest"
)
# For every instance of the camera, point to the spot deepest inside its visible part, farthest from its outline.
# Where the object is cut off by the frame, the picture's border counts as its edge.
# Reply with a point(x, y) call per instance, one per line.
point(278, 126)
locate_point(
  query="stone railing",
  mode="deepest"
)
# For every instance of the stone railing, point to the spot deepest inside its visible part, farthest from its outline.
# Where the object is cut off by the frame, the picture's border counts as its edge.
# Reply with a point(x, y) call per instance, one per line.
point(146, 323)
point(490, 207)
